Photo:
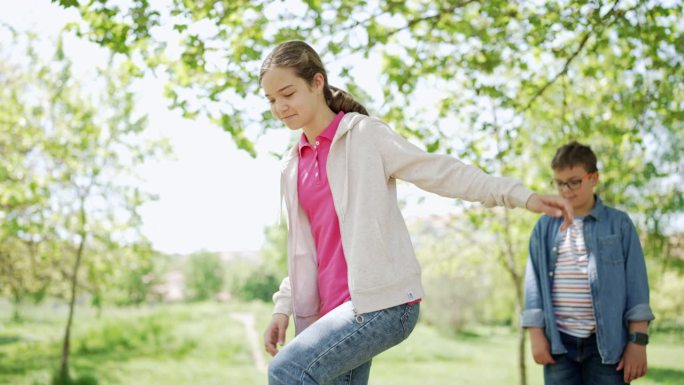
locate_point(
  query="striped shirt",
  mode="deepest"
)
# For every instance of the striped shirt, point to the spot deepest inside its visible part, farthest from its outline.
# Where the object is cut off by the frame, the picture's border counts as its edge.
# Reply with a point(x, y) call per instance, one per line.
point(571, 293)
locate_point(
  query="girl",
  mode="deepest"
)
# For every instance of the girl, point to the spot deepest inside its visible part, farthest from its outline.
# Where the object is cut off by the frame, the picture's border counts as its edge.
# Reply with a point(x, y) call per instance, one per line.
point(354, 285)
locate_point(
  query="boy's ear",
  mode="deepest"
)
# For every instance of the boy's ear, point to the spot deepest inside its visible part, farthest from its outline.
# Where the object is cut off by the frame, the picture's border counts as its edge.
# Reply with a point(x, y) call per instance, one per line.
point(595, 178)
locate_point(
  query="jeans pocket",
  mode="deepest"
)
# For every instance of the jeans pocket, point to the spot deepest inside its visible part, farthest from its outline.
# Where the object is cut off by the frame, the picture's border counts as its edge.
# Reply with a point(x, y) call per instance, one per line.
point(409, 318)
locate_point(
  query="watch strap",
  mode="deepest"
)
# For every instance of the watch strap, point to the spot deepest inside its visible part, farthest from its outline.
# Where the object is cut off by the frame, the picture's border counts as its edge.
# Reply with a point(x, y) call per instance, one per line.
point(638, 338)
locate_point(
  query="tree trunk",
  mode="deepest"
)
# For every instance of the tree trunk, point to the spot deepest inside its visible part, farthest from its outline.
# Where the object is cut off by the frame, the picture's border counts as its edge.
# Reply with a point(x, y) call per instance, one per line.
point(13, 281)
point(16, 305)
point(508, 259)
point(521, 332)
point(64, 365)
point(522, 365)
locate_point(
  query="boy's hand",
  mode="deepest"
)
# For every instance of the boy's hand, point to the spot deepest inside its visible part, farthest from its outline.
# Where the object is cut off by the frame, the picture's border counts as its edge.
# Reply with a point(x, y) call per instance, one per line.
point(540, 347)
point(552, 205)
point(275, 333)
point(634, 362)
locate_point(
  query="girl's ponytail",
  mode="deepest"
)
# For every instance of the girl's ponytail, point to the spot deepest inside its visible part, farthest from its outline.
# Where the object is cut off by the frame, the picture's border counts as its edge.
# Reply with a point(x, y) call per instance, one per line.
point(340, 100)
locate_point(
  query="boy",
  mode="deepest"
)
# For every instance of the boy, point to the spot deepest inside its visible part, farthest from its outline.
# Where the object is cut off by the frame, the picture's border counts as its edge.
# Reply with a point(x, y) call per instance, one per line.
point(586, 289)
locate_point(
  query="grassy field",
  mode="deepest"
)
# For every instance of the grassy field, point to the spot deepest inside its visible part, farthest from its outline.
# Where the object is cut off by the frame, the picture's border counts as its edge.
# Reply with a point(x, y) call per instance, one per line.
point(204, 344)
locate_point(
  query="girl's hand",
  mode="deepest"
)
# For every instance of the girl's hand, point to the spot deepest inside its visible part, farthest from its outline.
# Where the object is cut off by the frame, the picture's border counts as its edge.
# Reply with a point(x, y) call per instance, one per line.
point(552, 205)
point(275, 333)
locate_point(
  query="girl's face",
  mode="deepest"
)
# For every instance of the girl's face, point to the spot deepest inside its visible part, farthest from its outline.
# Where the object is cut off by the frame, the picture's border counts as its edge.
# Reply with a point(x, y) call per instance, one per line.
point(292, 100)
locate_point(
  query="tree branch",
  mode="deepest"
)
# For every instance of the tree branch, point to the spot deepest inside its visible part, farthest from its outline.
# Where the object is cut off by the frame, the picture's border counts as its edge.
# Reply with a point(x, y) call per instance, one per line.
point(437, 16)
point(361, 22)
point(559, 74)
point(572, 57)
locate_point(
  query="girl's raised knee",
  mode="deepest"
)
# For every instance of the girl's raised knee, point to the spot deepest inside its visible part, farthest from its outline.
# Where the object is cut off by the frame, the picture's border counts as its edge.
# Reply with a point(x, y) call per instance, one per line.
point(279, 372)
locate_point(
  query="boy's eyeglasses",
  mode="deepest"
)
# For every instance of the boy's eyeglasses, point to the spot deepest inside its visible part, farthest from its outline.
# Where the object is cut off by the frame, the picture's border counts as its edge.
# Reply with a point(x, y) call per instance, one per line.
point(572, 184)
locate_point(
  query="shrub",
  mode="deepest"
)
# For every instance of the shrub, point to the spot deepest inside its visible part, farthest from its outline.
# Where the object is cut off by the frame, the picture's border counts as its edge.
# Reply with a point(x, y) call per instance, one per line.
point(204, 277)
point(260, 284)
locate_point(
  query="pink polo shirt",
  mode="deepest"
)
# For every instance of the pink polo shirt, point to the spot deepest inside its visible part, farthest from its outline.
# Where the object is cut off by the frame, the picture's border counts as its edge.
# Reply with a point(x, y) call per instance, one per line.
point(316, 200)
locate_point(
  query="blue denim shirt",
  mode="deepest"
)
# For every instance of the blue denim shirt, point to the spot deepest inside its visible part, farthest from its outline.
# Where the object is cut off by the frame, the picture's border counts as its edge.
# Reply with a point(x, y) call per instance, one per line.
point(617, 276)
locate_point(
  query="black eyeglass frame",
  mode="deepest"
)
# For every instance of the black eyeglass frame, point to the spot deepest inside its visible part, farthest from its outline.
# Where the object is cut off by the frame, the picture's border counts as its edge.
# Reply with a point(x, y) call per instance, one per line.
point(571, 185)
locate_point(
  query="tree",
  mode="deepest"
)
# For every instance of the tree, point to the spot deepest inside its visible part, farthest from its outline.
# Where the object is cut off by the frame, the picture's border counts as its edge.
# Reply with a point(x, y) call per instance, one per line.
point(71, 201)
point(459, 274)
point(24, 191)
point(274, 250)
point(95, 207)
point(204, 277)
point(144, 273)
point(258, 281)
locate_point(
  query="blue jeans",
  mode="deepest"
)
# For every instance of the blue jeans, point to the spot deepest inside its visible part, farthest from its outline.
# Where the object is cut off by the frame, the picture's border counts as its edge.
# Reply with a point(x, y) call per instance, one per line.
point(581, 365)
point(339, 347)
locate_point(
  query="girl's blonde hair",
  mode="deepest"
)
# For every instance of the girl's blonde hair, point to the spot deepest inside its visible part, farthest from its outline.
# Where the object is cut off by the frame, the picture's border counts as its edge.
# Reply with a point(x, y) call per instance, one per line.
point(305, 62)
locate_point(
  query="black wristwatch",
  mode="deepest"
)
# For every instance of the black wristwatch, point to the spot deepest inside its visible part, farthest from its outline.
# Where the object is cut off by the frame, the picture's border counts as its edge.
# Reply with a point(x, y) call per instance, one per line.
point(638, 338)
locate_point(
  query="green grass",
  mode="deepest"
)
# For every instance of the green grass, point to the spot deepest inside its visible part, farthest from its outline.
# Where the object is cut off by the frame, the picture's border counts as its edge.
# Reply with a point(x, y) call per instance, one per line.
point(488, 357)
point(170, 344)
point(201, 343)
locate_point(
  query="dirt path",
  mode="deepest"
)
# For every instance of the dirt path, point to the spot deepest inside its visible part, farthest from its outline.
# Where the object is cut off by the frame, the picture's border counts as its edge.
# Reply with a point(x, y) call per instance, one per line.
point(253, 339)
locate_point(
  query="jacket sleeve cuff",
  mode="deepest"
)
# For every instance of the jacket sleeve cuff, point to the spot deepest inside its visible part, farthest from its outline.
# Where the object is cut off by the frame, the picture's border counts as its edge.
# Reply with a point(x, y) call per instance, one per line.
point(282, 308)
point(520, 195)
point(532, 318)
point(283, 299)
point(640, 312)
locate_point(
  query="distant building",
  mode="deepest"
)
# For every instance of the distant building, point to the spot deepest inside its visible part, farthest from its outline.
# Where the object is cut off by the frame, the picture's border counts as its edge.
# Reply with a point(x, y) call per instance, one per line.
point(172, 287)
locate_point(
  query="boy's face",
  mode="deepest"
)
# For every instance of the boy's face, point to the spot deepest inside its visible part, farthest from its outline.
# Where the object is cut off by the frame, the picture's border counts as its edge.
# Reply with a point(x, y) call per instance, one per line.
point(577, 186)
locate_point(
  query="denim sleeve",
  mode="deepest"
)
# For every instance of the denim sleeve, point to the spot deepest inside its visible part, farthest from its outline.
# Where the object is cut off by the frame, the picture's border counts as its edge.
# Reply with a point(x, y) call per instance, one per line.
point(533, 314)
point(637, 307)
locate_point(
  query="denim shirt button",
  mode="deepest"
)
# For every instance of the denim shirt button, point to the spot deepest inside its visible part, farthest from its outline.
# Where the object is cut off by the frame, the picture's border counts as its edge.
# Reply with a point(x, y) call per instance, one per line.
point(550, 273)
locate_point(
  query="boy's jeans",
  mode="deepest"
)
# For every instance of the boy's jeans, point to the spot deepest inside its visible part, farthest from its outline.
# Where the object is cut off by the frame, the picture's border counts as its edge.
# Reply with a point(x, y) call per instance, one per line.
point(338, 348)
point(581, 365)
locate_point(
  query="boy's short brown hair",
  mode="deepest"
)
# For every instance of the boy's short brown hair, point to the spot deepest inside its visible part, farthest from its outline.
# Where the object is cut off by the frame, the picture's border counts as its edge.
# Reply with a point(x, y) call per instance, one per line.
point(574, 154)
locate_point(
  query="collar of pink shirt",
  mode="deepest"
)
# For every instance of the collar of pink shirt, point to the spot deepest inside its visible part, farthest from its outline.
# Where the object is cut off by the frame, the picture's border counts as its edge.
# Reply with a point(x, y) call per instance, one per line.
point(328, 133)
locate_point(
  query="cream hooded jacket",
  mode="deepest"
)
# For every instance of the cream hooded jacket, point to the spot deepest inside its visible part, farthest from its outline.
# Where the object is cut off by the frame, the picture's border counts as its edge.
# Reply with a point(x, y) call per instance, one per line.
point(366, 158)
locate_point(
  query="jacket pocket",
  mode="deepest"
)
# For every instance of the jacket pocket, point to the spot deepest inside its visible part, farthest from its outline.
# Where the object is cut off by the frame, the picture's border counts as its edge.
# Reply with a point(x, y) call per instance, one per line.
point(304, 285)
point(371, 267)
point(610, 250)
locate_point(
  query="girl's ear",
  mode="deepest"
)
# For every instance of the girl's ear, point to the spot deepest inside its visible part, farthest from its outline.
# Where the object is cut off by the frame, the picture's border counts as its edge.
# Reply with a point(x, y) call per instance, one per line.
point(318, 82)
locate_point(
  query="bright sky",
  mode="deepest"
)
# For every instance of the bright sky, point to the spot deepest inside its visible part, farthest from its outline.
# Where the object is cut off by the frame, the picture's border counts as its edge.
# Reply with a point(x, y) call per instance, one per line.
point(211, 196)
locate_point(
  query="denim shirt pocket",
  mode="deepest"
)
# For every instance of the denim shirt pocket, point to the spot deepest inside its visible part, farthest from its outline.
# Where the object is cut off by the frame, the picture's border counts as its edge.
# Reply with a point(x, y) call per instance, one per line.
point(610, 250)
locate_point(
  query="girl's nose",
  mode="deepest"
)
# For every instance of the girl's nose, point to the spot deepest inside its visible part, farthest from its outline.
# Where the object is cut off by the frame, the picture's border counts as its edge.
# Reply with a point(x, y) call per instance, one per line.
point(281, 107)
